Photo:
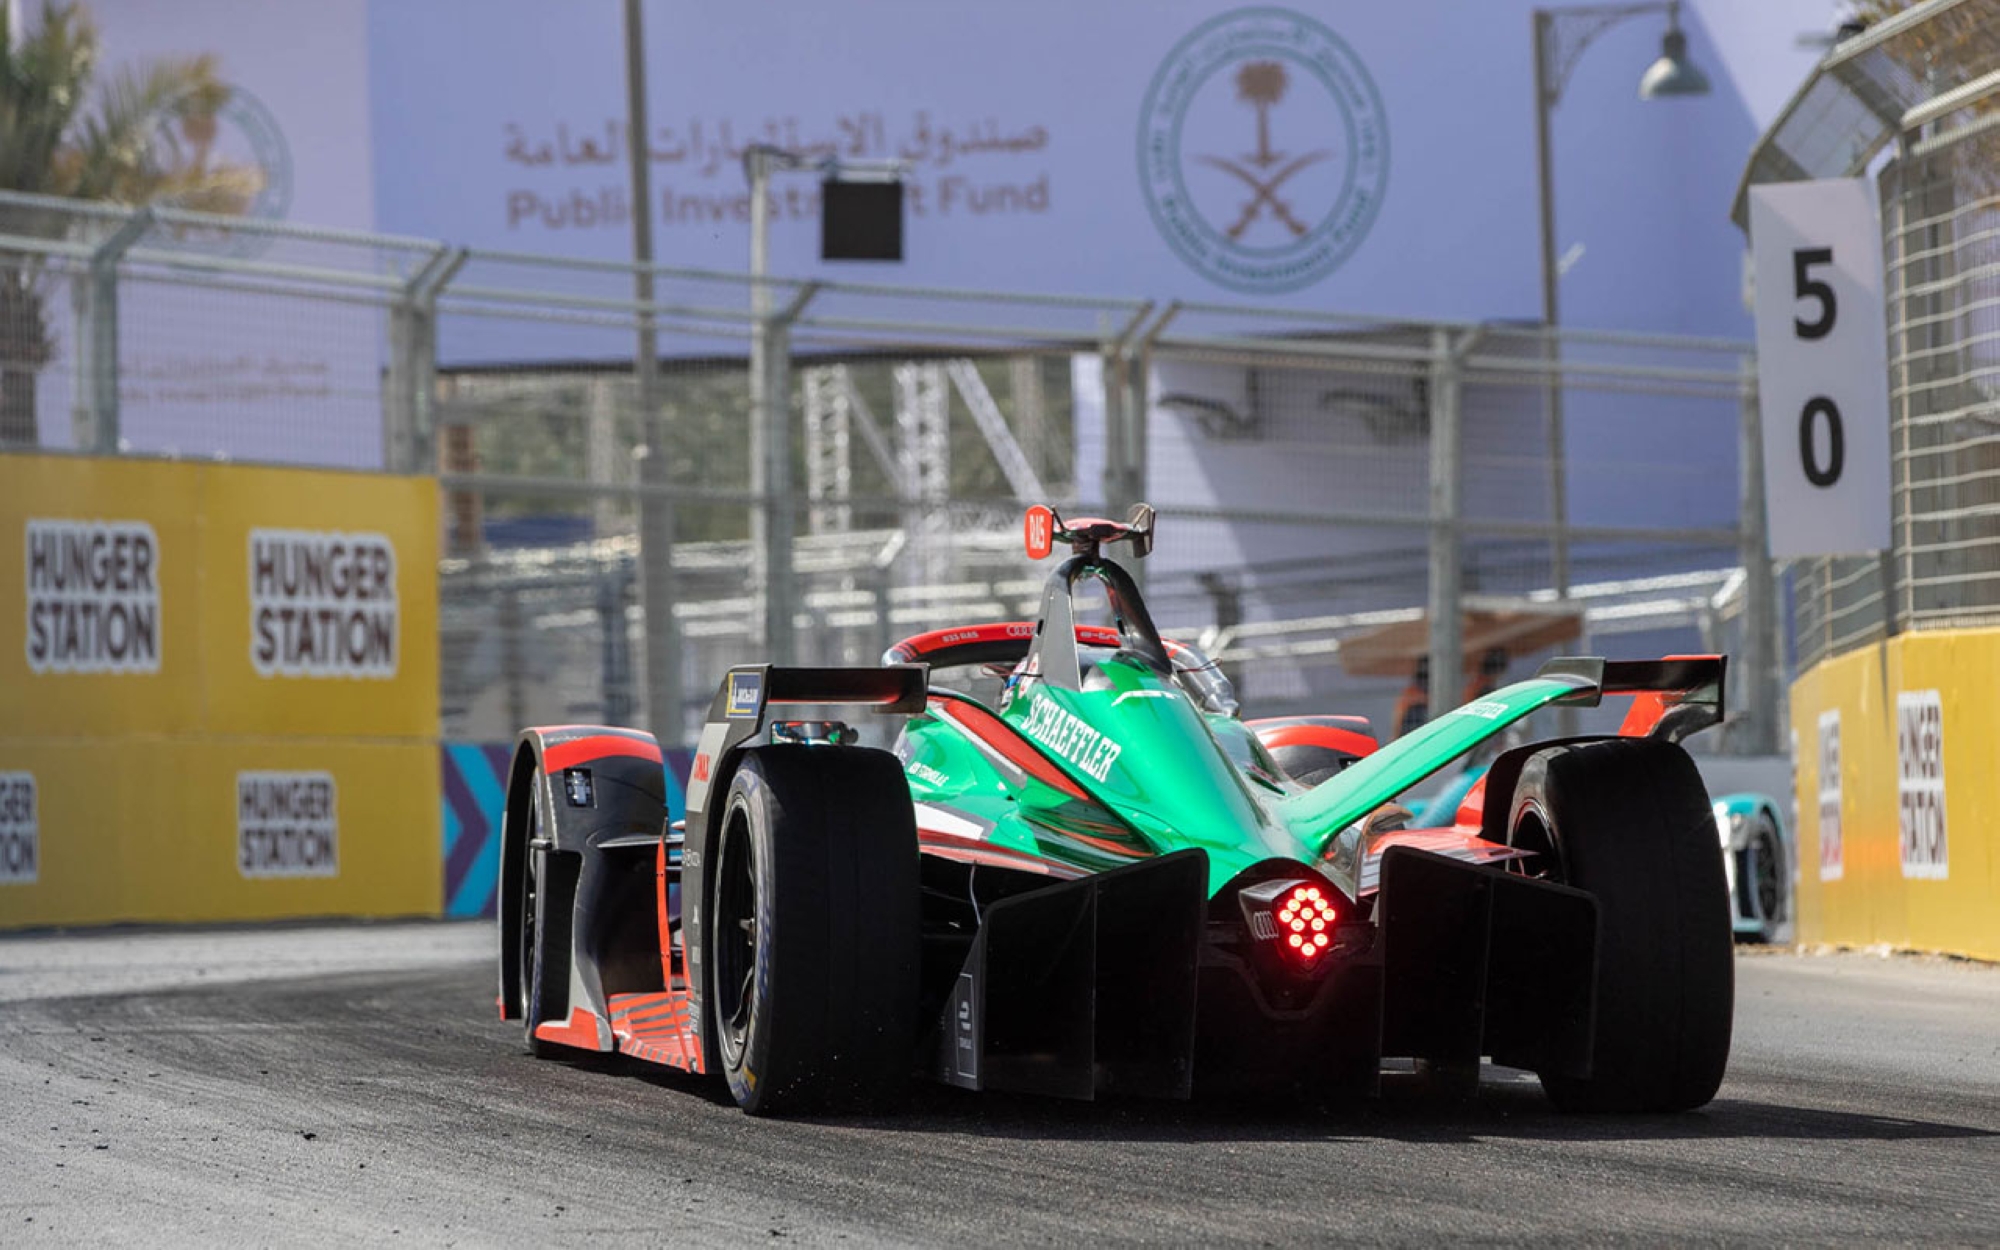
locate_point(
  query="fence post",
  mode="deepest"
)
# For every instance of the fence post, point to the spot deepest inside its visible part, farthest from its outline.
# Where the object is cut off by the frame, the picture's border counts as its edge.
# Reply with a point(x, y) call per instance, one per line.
point(1447, 642)
point(1110, 371)
point(105, 431)
point(399, 420)
point(1125, 404)
point(615, 659)
point(1758, 733)
point(409, 433)
point(771, 463)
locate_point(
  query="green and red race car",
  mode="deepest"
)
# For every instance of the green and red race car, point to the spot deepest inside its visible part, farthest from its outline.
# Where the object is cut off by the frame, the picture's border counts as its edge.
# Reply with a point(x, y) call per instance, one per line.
point(1094, 878)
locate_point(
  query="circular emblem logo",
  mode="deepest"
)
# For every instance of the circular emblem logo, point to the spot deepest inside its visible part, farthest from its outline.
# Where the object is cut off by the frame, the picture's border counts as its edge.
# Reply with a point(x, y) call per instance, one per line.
point(242, 140)
point(1263, 150)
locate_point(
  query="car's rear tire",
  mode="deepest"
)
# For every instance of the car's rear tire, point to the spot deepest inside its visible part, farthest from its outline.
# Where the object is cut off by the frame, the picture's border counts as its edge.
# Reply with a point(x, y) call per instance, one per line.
point(1629, 821)
point(813, 940)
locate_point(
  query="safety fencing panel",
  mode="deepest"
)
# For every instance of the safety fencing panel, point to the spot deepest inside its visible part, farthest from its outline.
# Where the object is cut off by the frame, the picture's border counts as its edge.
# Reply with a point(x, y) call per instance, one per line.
point(218, 692)
point(649, 474)
point(1940, 218)
point(1319, 492)
point(1898, 800)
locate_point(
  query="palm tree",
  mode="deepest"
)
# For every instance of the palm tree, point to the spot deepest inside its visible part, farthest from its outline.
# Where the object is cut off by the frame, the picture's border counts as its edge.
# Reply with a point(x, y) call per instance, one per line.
point(1262, 84)
point(142, 136)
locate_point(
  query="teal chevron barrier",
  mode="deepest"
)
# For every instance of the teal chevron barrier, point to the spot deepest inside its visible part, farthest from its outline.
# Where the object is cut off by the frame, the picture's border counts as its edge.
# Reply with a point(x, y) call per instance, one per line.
point(474, 793)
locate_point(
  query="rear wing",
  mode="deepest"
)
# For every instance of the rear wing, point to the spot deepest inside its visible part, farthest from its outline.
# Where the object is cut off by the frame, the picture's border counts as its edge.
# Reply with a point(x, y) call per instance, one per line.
point(1677, 696)
point(1688, 690)
point(747, 693)
point(749, 689)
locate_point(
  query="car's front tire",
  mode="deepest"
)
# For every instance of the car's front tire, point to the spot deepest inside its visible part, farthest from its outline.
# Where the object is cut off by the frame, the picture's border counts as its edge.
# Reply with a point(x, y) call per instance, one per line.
point(812, 939)
point(546, 898)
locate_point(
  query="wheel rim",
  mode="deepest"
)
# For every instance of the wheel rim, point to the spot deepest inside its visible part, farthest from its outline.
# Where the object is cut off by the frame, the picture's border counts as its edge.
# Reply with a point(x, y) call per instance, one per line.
point(1529, 831)
point(734, 944)
point(1769, 889)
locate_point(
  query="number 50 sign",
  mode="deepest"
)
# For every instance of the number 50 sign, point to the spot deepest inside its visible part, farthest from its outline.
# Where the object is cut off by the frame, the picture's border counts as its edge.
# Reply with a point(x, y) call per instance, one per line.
point(1822, 368)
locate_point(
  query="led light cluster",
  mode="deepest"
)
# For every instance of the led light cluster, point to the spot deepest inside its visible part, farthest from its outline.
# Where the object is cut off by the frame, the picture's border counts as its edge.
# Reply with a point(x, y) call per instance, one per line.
point(1305, 921)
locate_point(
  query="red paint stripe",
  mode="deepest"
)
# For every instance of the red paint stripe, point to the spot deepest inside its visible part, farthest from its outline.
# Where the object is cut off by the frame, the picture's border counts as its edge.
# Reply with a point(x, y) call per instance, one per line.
point(1471, 812)
point(919, 646)
point(580, 1030)
point(626, 1001)
point(650, 1011)
point(654, 1019)
point(625, 1004)
point(655, 1015)
point(1332, 737)
point(683, 1055)
point(598, 747)
point(654, 1027)
point(1003, 738)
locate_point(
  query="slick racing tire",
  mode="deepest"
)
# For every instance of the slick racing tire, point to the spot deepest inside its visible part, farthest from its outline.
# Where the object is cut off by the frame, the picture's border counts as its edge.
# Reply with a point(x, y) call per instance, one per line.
point(1627, 820)
point(548, 892)
point(812, 941)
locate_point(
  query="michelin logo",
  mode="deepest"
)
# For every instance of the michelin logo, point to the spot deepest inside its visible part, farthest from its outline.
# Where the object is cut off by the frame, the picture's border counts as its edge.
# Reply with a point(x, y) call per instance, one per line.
point(745, 690)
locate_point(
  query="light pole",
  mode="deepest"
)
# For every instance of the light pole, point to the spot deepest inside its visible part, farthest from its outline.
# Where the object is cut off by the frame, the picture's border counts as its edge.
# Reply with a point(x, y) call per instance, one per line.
point(1561, 35)
point(656, 510)
point(770, 404)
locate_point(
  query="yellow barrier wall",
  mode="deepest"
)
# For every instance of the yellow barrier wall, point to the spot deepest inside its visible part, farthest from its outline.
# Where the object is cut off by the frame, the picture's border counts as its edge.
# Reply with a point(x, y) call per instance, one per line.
point(1881, 889)
point(218, 692)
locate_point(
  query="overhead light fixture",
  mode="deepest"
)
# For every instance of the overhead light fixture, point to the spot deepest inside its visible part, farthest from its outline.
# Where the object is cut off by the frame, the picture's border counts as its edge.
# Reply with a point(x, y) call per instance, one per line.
point(1673, 74)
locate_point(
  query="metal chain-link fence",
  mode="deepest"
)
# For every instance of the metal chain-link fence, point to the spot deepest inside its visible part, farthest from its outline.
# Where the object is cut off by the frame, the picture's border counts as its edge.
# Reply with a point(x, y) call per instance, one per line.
point(1923, 80)
point(852, 470)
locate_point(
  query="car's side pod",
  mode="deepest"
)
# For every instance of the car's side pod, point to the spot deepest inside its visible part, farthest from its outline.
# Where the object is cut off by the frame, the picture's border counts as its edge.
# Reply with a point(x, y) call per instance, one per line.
point(602, 788)
point(736, 721)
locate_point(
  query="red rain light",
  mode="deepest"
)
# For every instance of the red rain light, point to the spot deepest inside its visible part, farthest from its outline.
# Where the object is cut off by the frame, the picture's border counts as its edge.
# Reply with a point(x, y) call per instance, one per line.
point(1309, 915)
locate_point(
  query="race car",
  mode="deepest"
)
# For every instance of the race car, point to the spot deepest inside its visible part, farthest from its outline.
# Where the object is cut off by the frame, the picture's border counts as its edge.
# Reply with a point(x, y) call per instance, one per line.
point(1758, 861)
point(1093, 878)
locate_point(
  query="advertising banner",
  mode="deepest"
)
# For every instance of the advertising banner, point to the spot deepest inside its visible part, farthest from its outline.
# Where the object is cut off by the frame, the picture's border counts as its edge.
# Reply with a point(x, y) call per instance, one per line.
point(1899, 804)
point(1298, 156)
point(166, 597)
point(217, 829)
point(218, 692)
point(99, 595)
point(323, 590)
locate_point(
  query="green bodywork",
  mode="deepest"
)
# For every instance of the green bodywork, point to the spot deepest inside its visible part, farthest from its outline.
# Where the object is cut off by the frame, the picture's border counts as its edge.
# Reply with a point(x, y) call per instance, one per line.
point(1162, 775)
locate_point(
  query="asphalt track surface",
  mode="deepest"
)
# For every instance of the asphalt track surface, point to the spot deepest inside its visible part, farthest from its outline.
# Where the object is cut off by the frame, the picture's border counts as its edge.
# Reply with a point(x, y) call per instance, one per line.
point(350, 1085)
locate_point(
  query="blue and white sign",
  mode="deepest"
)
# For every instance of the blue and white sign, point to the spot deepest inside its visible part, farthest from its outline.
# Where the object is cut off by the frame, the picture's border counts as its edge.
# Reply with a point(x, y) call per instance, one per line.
point(1366, 158)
